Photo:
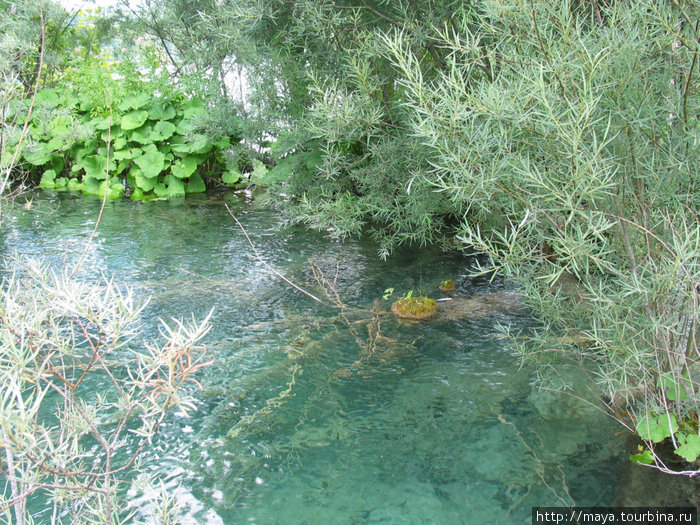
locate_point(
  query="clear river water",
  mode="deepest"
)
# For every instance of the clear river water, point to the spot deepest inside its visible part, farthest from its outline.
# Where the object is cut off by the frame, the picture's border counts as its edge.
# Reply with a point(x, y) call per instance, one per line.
point(308, 419)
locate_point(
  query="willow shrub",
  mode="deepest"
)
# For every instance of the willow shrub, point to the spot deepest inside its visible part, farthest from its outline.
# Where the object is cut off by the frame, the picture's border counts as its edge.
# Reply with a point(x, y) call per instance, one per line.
point(82, 395)
point(568, 132)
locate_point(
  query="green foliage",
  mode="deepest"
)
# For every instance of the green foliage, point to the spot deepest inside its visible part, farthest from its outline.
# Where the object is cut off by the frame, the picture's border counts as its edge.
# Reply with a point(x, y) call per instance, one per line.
point(142, 136)
point(566, 134)
point(418, 307)
point(643, 456)
point(657, 428)
point(689, 448)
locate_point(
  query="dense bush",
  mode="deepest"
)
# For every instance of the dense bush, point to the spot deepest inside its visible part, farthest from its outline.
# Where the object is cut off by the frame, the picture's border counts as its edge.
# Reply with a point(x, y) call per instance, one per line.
point(560, 138)
point(568, 132)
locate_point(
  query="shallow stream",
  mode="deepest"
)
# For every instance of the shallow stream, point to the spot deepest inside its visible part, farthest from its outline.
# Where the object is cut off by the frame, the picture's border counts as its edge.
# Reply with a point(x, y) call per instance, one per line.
point(311, 418)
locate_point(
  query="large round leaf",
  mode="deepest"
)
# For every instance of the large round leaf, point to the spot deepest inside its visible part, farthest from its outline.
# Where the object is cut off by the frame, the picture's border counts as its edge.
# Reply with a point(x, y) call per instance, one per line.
point(175, 186)
point(151, 163)
point(184, 167)
point(192, 107)
point(197, 143)
point(142, 182)
point(161, 110)
point(196, 184)
point(47, 97)
point(163, 130)
point(231, 176)
point(135, 102)
point(142, 135)
point(48, 179)
point(95, 166)
point(134, 119)
point(128, 153)
point(39, 154)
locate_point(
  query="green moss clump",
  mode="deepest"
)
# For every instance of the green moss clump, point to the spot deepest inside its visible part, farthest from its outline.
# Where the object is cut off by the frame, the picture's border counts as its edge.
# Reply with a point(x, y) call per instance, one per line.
point(448, 286)
point(418, 308)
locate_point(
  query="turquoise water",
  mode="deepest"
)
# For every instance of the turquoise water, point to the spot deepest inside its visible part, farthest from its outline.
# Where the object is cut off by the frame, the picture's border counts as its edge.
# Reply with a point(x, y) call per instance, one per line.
point(310, 418)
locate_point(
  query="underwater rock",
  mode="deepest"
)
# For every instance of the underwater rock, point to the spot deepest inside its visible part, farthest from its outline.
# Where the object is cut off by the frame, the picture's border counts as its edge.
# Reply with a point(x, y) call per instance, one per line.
point(480, 306)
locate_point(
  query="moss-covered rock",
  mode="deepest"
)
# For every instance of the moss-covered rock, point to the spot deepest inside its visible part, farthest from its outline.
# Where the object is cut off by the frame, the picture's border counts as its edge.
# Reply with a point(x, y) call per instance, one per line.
point(448, 286)
point(418, 308)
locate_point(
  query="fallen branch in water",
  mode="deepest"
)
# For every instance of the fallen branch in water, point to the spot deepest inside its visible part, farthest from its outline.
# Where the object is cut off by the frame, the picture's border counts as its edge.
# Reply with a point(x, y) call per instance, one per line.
point(267, 265)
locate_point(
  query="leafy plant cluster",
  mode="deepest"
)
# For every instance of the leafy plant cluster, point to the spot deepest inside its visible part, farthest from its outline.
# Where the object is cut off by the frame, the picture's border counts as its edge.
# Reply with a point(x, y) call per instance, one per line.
point(147, 144)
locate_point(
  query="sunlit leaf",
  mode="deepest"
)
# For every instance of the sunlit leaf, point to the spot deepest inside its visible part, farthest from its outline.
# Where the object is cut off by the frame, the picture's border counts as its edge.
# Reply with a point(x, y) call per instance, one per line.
point(134, 119)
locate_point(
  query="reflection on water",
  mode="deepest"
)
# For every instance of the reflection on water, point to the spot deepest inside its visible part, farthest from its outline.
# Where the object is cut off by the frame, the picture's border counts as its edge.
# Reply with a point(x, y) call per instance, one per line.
point(313, 414)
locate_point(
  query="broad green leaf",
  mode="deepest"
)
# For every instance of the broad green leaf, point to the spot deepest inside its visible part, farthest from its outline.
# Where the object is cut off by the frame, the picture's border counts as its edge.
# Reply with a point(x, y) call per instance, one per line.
point(91, 186)
point(142, 135)
point(174, 185)
point(231, 176)
point(184, 167)
point(222, 142)
point(675, 388)
point(135, 102)
point(113, 134)
point(103, 123)
point(119, 143)
point(191, 108)
point(113, 191)
point(129, 153)
point(38, 154)
point(55, 145)
point(161, 110)
point(57, 164)
point(162, 130)
point(643, 457)
point(198, 143)
point(160, 190)
point(151, 163)
point(142, 182)
point(134, 119)
point(95, 166)
point(279, 173)
point(46, 97)
point(196, 184)
point(61, 182)
point(690, 446)
point(657, 428)
point(259, 173)
point(48, 179)
point(74, 184)
point(136, 194)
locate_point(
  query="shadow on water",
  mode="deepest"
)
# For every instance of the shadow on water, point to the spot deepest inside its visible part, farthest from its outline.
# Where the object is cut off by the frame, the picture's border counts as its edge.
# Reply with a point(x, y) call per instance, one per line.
point(311, 417)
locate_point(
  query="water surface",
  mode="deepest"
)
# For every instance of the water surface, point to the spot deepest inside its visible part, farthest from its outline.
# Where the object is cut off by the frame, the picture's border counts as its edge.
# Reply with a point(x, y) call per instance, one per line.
point(310, 418)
